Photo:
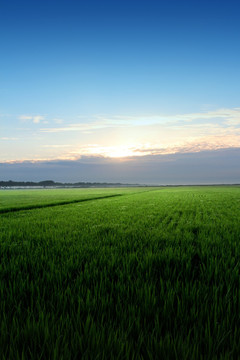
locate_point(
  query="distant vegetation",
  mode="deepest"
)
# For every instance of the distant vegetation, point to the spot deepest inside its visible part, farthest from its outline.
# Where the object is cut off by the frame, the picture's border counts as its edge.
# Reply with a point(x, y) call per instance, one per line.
point(50, 183)
point(143, 273)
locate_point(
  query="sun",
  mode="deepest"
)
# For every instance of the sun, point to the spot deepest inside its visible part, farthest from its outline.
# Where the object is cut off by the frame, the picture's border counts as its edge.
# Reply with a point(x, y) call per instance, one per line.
point(118, 151)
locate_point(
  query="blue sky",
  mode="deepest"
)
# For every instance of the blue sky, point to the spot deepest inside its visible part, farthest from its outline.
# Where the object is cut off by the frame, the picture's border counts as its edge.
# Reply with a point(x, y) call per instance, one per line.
point(118, 79)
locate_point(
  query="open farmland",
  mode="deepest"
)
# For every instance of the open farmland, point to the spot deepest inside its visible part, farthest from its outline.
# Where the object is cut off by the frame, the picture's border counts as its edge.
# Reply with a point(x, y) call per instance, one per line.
point(33, 199)
point(141, 273)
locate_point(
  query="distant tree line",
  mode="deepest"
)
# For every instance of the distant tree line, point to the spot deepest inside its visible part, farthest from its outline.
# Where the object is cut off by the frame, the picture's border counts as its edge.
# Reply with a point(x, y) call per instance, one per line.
point(51, 183)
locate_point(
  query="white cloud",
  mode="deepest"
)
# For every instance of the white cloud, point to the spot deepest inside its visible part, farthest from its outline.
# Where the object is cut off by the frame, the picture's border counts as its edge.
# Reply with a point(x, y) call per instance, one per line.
point(36, 119)
point(127, 136)
point(229, 117)
point(8, 138)
point(56, 146)
point(25, 117)
point(225, 114)
point(58, 121)
point(187, 145)
point(78, 127)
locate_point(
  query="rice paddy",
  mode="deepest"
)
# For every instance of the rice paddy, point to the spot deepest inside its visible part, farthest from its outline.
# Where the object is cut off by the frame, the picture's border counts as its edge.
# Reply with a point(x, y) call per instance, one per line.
point(140, 273)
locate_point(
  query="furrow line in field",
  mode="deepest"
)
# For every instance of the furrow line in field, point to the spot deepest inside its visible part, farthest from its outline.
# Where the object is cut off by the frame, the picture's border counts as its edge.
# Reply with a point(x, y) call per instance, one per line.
point(40, 206)
point(66, 202)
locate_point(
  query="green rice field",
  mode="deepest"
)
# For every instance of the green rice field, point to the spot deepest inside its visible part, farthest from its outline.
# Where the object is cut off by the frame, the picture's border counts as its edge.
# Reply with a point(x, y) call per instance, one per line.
point(128, 273)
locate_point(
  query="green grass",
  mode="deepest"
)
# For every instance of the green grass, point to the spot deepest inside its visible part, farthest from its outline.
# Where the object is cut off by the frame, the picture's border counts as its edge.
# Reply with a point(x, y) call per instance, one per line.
point(150, 274)
point(13, 200)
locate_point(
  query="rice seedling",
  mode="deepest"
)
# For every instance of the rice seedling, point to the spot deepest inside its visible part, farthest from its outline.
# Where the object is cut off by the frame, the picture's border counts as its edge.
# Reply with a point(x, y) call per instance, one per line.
point(128, 274)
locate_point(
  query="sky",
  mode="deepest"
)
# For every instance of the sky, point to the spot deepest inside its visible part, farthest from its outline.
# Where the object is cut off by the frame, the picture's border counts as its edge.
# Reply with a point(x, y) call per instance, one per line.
point(135, 91)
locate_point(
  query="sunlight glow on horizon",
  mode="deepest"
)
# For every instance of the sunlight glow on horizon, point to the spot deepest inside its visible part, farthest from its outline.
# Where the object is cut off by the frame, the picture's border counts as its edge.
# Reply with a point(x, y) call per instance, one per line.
point(135, 150)
point(30, 139)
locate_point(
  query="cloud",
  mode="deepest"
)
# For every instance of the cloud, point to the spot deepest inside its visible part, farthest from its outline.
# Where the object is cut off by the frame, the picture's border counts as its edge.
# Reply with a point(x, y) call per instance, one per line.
point(58, 121)
point(148, 119)
point(226, 117)
point(223, 113)
point(125, 136)
point(56, 146)
point(204, 167)
point(25, 117)
point(227, 139)
point(8, 138)
point(36, 119)
point(86, 127)
point(200, 144)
